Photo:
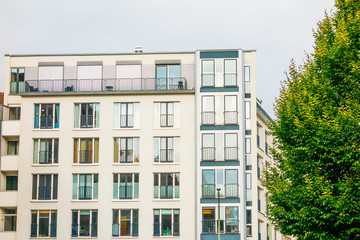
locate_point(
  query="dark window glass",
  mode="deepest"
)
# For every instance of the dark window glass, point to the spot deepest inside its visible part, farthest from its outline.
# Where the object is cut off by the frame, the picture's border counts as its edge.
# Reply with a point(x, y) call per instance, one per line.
point(13, 148)
point(11, 183)
point(14, 113)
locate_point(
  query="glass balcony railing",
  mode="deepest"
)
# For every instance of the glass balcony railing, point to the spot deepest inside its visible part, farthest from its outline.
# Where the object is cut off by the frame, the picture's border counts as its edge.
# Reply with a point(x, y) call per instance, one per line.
point(101, 85)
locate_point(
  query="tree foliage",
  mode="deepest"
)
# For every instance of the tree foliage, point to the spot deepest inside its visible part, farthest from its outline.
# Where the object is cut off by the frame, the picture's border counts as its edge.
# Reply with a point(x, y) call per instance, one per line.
point(315, 186)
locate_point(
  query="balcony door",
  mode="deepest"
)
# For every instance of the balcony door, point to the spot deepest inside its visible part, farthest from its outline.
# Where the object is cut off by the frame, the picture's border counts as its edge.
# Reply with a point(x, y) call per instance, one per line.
point(167, 77)
point(89, 78)
point(50, 78)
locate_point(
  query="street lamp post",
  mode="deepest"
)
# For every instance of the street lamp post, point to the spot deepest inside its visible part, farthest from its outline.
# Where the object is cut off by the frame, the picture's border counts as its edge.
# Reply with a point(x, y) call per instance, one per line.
point(218, 221)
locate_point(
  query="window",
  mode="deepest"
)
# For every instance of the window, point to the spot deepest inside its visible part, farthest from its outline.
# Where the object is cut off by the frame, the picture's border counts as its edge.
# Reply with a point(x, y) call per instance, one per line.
point(231, 147)
point(248, 162)
point(208, 183)
point(248, 198)
point(167, 184)
point(230, 73)
point(228, 183)
point(10, 220)
point(208, 73)
point(266, 143)
point(46, 116)
point(14, 113)
point(247, 145)
point(229, 220)
point(257, 135)
point(258, 167)
point(230, 113)
point(45, 187)
point(168, 77)
point(247, 73)
point(89, 78)
point(85, 186)
point(46, 151)
point(13, 148)
point(166, 114)
point(126, 150)
point(84, 223)
point(87, 115)
point(17, 84)
point(259, 200)
point(11, 183)
point(43, 223)
point(126, 186)
point(208, 110)
point(86, 150)
point(208, 147)
point(125, 222)
point(166, 222)
point(247, 110)
point(248, 180)
point(165, 149)
point(248, 221)
point(126, 115)
point(248, 216)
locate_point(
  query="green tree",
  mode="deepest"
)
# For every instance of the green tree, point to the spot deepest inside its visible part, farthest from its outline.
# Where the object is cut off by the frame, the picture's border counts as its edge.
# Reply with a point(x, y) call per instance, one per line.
point(315, 185)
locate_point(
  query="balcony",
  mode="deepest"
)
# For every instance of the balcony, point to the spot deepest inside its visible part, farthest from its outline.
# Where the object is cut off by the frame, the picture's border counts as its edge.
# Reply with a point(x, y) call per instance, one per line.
point(208, 118)
point(231, 191)
point(208, 154)
point(231, 118)
point(10, 163)
point(231, 153)
point(8, 199)
point(105, 85)
point(11, 128)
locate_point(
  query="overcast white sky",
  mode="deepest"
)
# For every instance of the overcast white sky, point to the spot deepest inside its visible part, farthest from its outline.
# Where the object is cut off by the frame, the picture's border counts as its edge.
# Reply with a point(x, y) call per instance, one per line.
point(278, 30)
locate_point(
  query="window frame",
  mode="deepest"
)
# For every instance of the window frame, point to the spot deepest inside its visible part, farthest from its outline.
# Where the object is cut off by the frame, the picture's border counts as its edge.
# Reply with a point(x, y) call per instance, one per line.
point(95, 117)
point(133, 223)
point(35, 223)
point(117, 186)
point(169, 117)
point(54, 182)
point(13, 217)
point(119, 151)
point(18, 88)
point(76, 226)
point(78, 151)
point(54, 151)
point(15, 147)
point(174, 193)
point(54, 116)
point(94, 186)
point(158, 224)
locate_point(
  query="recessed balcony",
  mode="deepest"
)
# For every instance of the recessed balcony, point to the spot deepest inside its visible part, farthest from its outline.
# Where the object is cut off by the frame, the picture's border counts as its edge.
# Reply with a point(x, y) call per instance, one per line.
point(106, 85)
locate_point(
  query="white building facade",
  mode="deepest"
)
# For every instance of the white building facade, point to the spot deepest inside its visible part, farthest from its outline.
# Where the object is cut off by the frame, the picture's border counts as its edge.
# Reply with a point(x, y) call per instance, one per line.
point(133, 146)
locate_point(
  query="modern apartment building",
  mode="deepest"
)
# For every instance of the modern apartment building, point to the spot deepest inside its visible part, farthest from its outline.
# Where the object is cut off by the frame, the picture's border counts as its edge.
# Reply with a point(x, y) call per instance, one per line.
point(134, 146)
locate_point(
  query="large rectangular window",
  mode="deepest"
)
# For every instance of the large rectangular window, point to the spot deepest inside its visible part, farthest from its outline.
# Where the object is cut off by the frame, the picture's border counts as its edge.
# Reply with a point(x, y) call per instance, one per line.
point(165, 149)
point(166, 114)
point(231, 147)
point(125, 222)
point(208, 73)
point(46, 151)
point(17, 84)
point(43, 223)
point(247, 73)
point(86, 150)
point(247, 110)
point(166, 185)
point(208, 147)
point(168, 77)
point(84, 223)
point(229, 220)
point(230, 113)
point(208, 183)
point(166, 222)
point(14, 113)
point(10, 220)
point(47, 116)
point(208, 110)
point(85, 186)
point(247, 145)
point(45, 187)
point(128, 77)
point(230, 73)
point(126, 150)
point(11, 183)
point(50, 78)
point(87, 115)
point(126, 115)
point(126, 186)
point(13, 148)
